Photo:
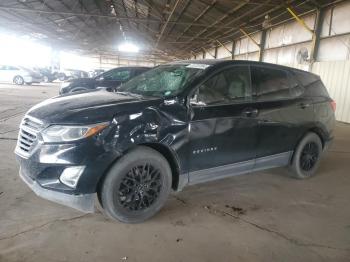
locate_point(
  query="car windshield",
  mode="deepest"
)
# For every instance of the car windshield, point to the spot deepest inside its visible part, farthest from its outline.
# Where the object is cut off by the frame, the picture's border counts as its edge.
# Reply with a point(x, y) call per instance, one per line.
point(162, 81)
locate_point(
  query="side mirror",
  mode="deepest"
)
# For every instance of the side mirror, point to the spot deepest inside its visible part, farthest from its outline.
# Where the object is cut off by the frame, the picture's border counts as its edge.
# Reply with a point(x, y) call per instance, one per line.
point(194, 101)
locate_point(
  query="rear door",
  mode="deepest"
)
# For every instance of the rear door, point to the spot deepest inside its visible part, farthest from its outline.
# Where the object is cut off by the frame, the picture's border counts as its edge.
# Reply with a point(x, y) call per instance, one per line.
point(223, 126)
point(284, 114)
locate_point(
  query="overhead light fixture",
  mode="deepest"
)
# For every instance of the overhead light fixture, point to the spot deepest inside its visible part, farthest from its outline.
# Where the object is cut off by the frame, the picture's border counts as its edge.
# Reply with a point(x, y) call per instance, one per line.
point(128, 47)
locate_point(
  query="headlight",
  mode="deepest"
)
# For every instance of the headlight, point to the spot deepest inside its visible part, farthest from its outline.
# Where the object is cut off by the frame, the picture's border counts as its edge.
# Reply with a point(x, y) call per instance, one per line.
point(61, 133)
point(65, 84)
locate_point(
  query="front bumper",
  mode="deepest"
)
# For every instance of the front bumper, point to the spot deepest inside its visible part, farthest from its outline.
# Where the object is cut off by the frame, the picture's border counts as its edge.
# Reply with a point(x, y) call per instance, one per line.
point(42, 167)
point(83, 202)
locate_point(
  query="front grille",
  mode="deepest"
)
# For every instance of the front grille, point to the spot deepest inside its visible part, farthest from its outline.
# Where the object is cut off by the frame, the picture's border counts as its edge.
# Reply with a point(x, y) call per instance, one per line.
point(28, 133)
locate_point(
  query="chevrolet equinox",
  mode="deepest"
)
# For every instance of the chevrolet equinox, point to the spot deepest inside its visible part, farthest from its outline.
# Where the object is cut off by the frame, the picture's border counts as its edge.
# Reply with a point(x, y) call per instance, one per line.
point(177, 124)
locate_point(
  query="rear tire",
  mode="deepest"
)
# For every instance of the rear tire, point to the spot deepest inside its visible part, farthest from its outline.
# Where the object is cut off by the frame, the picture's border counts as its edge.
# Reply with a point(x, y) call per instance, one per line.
point(18, 80)
point(137, 186)
point(306, 157)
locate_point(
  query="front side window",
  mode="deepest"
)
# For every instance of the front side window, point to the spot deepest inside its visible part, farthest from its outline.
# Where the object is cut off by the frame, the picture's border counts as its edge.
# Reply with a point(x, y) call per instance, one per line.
point(271, 84)
point(162, 81)
point(230, 85)
point(117, 75)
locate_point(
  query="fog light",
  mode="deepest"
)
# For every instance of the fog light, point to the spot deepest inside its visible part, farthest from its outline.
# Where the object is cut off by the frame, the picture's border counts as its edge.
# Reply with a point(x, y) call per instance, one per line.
point(71, 175)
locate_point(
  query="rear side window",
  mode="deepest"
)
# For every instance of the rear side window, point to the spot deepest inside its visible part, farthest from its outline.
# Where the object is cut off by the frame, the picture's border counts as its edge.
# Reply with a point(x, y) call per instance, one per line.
point(140, 71)
point(271, 84)
point(117, 75)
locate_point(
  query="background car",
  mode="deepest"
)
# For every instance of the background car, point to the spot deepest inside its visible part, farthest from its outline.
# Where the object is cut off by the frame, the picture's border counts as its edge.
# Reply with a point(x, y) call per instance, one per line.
point(48, 76)
point(109, 80)
point(71, 74)
point(19, 75)
point(96, 72)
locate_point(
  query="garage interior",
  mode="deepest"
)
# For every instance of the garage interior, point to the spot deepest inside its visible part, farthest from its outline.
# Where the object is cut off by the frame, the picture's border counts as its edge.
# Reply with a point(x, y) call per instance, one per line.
point(265, 216)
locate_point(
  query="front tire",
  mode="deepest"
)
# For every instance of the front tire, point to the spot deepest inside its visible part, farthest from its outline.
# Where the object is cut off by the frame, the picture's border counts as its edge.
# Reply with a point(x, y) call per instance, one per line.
point(306, 158)
point(18, 80)
point(137, 186)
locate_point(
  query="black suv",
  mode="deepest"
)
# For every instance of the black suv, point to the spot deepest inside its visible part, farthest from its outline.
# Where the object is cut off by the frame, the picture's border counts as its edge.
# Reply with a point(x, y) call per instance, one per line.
point(108, 80)
point(178, 124)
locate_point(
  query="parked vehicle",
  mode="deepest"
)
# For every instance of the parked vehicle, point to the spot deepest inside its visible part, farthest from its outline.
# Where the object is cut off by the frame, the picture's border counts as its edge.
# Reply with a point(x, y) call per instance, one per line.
point(19, 75)
point(71, 74)
point(108, 80)
point(175, 125)
point(47, 75)
point(96, 72)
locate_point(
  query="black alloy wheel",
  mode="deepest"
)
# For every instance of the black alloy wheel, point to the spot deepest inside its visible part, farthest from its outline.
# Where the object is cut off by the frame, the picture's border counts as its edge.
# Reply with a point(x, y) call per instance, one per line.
point(309, 156)
point(306, 156)
point(136, 186)
point(140, 187)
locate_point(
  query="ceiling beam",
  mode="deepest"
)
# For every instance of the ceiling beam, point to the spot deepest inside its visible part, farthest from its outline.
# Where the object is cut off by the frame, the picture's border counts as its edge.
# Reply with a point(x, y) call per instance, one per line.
point(140, 20)
point(166, 23)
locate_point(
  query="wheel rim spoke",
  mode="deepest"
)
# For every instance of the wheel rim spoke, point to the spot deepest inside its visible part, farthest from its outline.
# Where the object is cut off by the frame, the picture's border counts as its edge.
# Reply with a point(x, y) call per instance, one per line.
point(140, 187)
point(309, 156)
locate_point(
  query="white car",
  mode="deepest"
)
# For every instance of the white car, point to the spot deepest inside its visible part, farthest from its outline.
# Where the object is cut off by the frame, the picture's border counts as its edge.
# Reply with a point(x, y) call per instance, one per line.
point(19, 75)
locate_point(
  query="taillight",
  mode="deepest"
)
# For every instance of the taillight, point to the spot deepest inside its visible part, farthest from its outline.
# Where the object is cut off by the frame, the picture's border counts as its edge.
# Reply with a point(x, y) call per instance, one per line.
point(333, 105)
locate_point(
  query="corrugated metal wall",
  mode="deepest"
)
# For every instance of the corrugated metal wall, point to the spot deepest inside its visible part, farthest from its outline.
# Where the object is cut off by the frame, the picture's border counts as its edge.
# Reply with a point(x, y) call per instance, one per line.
point(284, 41)
point(336, 77)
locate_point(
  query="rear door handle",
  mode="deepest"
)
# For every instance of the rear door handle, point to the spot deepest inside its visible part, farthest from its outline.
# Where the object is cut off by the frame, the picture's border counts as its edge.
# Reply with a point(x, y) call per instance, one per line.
point(250, 112)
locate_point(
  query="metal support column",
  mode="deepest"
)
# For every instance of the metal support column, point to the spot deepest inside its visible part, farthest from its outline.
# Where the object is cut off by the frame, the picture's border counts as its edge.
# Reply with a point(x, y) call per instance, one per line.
point(262, 45)
point(317, 35)
point(233, 50)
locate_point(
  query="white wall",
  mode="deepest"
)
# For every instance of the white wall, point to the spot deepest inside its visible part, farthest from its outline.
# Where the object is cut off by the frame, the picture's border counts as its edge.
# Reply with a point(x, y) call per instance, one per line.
point(336, 77)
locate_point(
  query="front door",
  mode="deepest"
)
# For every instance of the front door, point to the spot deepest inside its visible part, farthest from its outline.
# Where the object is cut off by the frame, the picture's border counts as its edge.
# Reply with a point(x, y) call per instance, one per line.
point(223, 126)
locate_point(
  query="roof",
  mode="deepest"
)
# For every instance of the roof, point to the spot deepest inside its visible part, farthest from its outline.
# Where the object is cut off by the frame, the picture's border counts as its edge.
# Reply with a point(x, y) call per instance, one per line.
point(163, 28)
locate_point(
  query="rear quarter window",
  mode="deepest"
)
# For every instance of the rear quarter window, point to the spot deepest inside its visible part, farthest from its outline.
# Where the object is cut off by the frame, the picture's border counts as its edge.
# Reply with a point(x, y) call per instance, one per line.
point(312, 83)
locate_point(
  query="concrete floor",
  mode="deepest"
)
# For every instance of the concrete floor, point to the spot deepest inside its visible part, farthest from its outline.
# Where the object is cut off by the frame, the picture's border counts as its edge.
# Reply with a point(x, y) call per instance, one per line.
point(266, 216)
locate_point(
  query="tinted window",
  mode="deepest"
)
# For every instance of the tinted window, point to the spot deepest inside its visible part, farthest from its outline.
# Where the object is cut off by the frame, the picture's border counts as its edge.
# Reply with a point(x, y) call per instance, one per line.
point(140, 71)
point(231, 85)
point(312, 83)
point(306, 78)
point(117, 75)
point(271, 84)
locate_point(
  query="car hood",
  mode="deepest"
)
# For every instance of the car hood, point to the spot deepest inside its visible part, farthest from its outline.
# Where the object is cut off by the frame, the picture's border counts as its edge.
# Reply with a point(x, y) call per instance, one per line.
point(88, 108)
